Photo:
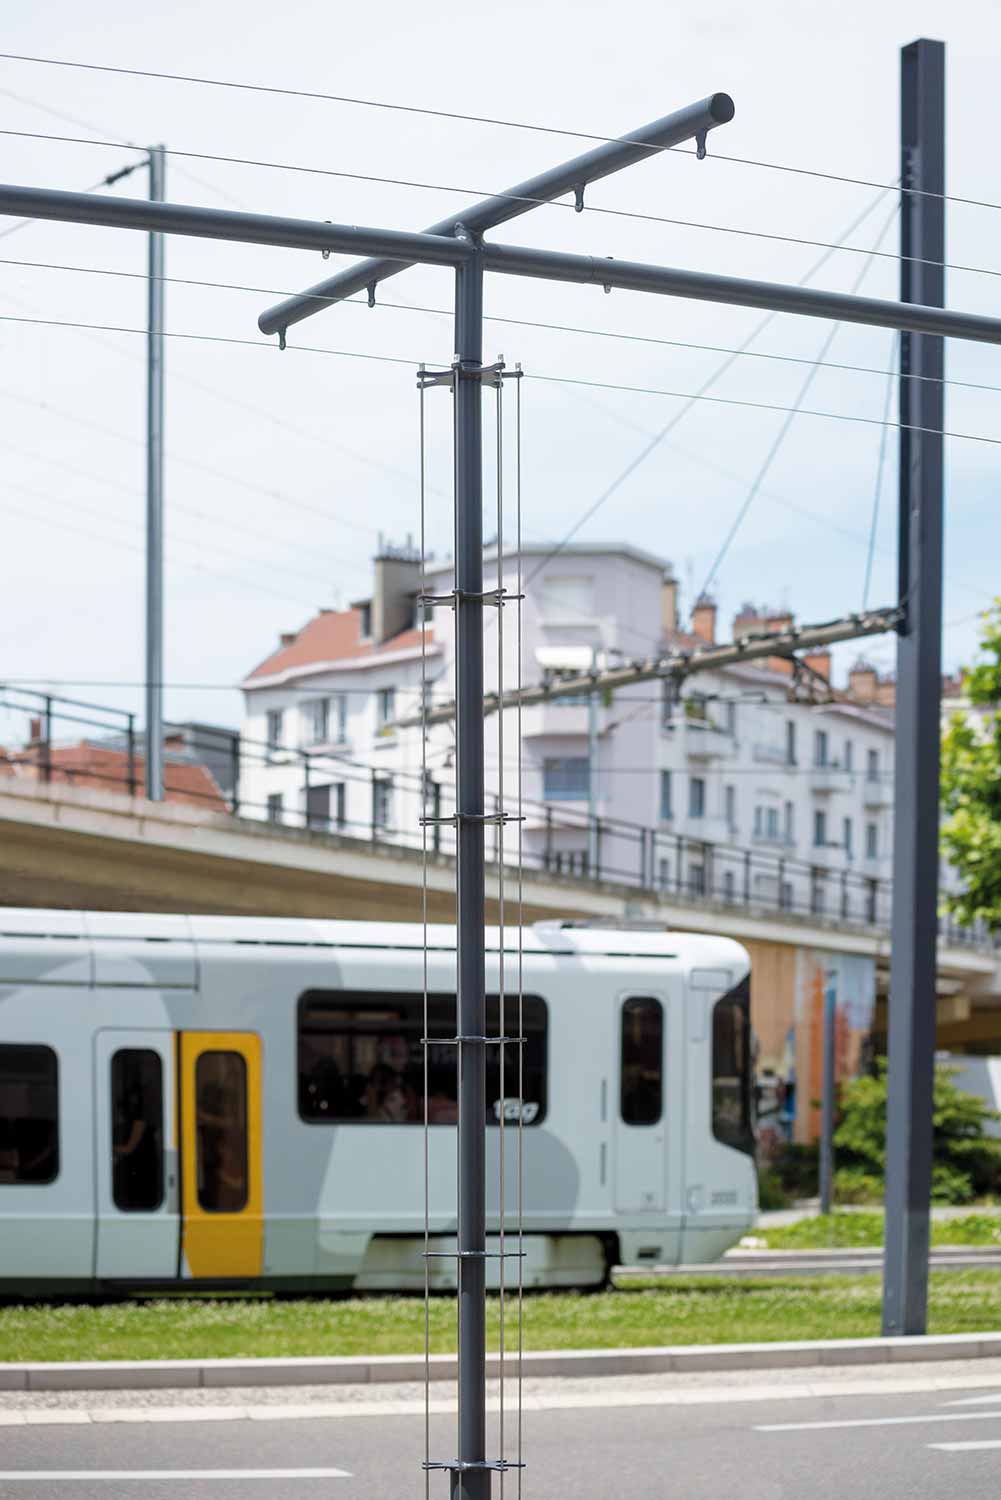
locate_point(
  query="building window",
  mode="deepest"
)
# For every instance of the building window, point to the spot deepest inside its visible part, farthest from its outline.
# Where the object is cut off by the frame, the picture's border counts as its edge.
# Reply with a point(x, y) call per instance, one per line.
point(275, 730)
point(819, 829)
point(820, 747)
point(641, 1085)
point(846, 828)
point(790, 742)
point(670, 697)
point(772, 824)
point(317, 716)
point(696, 797)
point(361, 1059)
point(732, 1119)
point(872, 840)
point(566, 779)
point(382, 802)
point(665, 796)
point(276, 807)
point(222, 1170)
point(790, 827)
point(664, 874)
point(872, 765)
point(568, 601)
point(849, 755)
point(730, 720)
point(696, 880)
point(339, 717)
point(385, 707)
point(730, 807)
point(818, 892)
point(365, 619)
point(137, 1130)
point(325, 806)
point(785, 896)
point(29, 1114)
point(759, 821)
point(729, 886)
point(871, 901)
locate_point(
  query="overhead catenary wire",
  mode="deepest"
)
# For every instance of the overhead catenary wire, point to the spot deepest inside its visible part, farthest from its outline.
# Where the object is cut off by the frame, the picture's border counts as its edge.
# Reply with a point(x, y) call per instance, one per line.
point(493, 120)
point(412, 363)
point(443, 312)
point(780, 437)
point(560, 203)
point(892, 371)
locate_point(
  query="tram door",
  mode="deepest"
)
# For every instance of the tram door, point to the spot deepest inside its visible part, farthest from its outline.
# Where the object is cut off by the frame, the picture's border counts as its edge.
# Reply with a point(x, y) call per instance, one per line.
point(640, 1156)
point(138, 1221)
point(222, 1194)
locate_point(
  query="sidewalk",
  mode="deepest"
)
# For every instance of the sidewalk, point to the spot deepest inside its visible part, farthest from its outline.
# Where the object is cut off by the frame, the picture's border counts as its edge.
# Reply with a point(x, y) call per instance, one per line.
point(809, 1208)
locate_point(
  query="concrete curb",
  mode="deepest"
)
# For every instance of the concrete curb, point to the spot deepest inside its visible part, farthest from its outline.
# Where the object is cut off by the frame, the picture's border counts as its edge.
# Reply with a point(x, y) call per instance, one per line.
point(110, 1375)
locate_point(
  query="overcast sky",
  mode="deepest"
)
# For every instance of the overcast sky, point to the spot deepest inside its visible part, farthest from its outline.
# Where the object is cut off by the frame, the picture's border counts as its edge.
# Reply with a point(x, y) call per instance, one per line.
point(283, 469)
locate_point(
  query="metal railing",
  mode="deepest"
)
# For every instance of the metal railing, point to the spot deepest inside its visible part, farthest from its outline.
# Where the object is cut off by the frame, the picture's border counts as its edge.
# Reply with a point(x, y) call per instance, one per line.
point(326, 793)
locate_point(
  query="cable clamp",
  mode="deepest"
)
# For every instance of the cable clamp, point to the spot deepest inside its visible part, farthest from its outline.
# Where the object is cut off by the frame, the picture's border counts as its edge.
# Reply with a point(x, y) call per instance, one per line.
point(467, 596)
point(491, 1041)
point(454, 1466)
point(453, 820)
point(475, 1254)
point(700, 145)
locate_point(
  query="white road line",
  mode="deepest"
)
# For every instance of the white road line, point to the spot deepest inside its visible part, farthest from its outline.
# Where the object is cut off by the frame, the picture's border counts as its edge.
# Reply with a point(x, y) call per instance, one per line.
point(126, 1476)
point(994, 1396)
point(964, 1447)
point(935, 1416)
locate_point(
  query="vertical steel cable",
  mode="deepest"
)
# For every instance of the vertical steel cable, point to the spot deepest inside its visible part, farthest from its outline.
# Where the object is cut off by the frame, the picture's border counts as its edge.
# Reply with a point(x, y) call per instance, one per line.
point(894, 346)
point(521, 940)
point(424, 922)
point(501, 1007)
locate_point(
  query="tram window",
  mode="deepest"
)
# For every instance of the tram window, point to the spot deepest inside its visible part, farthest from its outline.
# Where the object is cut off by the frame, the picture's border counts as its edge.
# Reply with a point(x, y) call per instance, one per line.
point(137, 1129)
point(641, 1087)
point(733, 1122)
point(29, 1114)
point(221, 1108)
point(361, 1059)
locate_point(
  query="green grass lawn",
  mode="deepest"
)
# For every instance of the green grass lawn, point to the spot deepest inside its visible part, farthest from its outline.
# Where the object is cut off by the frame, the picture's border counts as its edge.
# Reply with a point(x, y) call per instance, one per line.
point(864, 1230)
point(680, 1311)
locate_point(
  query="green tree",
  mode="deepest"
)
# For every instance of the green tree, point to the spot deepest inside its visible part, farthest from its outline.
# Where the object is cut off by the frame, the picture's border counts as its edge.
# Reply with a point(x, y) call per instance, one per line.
point(971, 787)
point(966, 1160)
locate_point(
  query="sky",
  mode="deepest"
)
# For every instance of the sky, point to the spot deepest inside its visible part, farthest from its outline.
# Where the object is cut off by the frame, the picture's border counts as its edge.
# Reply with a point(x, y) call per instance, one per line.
point(284, 469)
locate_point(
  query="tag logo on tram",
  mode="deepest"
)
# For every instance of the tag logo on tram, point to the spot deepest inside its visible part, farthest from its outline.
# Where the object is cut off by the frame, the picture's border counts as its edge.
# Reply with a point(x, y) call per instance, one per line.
point(515, 1110)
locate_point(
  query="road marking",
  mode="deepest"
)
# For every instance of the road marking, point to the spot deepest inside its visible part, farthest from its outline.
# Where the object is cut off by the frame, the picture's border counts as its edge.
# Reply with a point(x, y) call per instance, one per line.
point(964, 1447)
point(994, 1396)
point(936, 1416)
point(126, 1476)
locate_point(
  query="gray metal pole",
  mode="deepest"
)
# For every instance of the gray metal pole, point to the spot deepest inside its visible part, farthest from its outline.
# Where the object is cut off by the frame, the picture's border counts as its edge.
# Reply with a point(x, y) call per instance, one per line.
point(470, 1483)
point(919, 668)
point(592, 770)
point(154, 491)
point(694, 122)
point(827, 1098)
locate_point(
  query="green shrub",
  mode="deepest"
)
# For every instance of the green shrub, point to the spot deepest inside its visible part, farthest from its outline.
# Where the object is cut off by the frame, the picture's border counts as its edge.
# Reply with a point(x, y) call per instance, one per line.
point(855, 1185)
point(771, 1193)
point(967, 1162)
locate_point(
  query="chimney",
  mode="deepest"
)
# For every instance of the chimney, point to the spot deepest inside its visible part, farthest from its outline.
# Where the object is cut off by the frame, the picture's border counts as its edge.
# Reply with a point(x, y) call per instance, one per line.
point(397, 580)
point(863, 682)
point(704, 620)
point(669, 605)
point(747, 621)
point(886, 692)
point(819, 662)
point(287, 637)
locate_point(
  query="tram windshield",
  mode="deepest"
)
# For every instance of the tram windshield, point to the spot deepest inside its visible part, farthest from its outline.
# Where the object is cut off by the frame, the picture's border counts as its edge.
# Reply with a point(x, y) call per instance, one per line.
point(732, 1085)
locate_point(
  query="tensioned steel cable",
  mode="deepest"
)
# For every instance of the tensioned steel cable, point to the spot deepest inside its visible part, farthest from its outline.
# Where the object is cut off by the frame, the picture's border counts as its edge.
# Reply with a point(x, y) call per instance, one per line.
point(426, 1042)
point(603, 385)
point(444, 114)
point(561, 203)
point(443, 312)
point(891, 373)
point(501, 958)
point(520, 1187)
point(788, 420)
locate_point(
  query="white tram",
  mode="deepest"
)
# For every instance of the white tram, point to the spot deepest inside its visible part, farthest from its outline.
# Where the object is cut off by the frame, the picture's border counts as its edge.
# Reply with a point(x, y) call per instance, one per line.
point(234, 1101)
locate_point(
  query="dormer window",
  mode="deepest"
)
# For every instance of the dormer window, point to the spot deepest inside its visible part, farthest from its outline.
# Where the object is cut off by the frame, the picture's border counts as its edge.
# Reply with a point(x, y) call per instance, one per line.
point(366, 617)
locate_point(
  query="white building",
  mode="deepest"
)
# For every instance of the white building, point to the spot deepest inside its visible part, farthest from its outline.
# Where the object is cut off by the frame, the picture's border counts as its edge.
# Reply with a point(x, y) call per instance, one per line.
point(752, 787)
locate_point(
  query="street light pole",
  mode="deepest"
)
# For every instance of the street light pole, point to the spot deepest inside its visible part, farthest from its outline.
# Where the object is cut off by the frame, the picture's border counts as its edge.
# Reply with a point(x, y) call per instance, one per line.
point(154, 491)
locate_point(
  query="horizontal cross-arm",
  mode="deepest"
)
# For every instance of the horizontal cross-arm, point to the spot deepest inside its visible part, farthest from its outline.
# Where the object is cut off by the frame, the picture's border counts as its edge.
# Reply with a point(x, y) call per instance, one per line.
point(224, 224)
point(692, 123)
point(681, 664)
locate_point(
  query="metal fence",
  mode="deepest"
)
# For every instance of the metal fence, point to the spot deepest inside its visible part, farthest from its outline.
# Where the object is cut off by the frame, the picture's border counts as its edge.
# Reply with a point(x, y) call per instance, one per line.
point(328, 794)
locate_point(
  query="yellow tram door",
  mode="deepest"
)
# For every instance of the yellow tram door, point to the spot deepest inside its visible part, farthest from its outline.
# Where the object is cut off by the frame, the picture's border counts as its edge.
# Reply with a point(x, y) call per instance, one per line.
point(222, 1189)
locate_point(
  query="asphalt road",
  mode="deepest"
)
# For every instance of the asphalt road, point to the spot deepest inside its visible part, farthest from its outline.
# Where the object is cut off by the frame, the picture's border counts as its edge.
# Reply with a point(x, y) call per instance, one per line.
point(807, 1435)
point(742, 1264)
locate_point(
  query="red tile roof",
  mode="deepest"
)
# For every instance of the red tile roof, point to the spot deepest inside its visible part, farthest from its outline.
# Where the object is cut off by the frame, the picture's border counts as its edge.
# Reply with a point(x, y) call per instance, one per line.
point(332, 635)
point(103, 769)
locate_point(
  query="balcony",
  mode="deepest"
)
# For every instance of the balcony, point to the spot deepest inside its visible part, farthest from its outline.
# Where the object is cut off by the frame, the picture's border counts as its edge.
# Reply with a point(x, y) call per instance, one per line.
point(877, 793)
point(700, 739)
point(561, 718)
point(830, 778)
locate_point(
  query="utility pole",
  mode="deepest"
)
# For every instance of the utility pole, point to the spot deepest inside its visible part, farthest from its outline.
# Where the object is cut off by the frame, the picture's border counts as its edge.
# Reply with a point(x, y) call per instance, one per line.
point(918, 708)
point(592, 768)
point(827, 1094)
point(154, 490)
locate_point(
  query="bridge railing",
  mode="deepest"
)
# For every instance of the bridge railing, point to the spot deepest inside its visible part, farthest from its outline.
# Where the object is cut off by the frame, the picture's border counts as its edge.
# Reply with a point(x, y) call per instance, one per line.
point(328, 794)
